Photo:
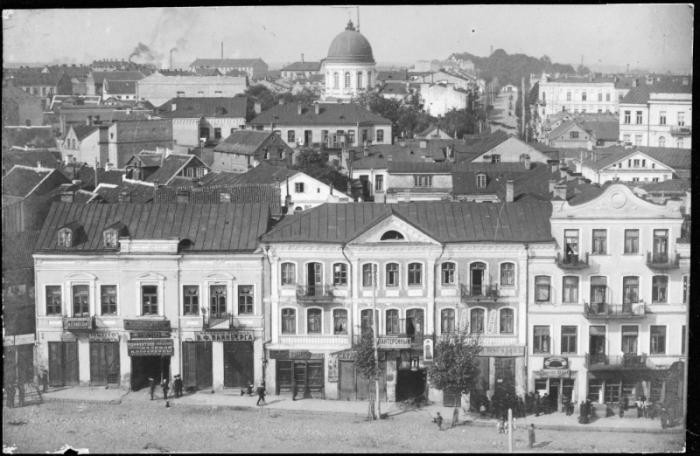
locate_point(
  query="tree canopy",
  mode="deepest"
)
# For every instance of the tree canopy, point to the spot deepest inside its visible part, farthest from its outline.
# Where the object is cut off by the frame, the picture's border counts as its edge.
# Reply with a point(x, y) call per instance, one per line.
point(455, 366)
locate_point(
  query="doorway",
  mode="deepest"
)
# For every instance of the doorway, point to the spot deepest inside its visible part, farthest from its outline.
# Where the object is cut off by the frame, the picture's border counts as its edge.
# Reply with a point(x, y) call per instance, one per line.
point(104, 363)
point(197, 364)
point(313, 279)
point(410, 384)
point(143, 367)
point(554, 388)
point(63, 363)
point(477, 278)
point(307, 137)
point(238, 364)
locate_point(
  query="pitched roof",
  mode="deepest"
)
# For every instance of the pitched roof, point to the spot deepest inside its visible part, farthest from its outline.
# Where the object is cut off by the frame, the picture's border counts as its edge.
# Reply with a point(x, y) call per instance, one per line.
point(138, 193)
point(219, 178)
point(237, 194)
point(265, 173)
point(329, 114)
point(82, 131)
point(398, 88)
point(210, 227)
point(641, 94)
point(38, 137)
point(226, 62)
point(303, 66)
point(402, 167)
point(486, 143)
point(34, 77)
point(245, 142)
point(48, 158)
point(172, 164)
point(677, 159)
point(190, 107)
point(86, 175)
point(117, 86)
point(100, 76)
point(602, 129)
point(392, 75)
point(444, 221)
point(21, 180)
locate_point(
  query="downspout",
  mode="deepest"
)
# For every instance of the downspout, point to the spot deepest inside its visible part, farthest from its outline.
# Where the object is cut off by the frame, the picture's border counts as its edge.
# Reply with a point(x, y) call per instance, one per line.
point(266, 337)
point(342, 250)
point(179, 300)
point(527, 304)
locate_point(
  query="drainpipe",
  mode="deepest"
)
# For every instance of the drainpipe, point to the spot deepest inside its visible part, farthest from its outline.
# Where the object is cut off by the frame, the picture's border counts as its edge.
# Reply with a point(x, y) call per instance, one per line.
point(342, 250)
point(266, 337)
point(527, 303)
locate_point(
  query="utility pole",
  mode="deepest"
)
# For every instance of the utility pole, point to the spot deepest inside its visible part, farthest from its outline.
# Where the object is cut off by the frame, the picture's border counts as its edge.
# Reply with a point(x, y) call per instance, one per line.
point(510, 430)
point(375, 333)
point(522, 97)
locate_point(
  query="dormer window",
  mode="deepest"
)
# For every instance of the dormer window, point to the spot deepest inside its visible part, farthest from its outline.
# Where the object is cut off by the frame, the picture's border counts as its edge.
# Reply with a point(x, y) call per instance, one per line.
point(111, 235)
point(65, 237)
point(392, 235)
point(481, 181)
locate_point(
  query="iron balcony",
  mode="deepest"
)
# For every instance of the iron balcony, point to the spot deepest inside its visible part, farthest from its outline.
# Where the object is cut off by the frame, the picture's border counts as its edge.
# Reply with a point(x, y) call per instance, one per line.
point(602, 361)
point(681, 131)
point(606, 311)
point(479, 294)
point(663, 261)
point(572, 261)
point(313, 294)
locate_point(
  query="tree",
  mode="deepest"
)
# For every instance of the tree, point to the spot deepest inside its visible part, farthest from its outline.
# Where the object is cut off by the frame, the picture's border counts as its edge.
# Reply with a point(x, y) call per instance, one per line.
point(459, 122)
point(582, 70)
point(366, 364)
point(455, 366)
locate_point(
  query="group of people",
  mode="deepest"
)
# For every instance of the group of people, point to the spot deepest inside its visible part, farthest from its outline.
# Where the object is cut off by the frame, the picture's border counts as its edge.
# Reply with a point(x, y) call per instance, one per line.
point(531, 403)
point(586, 412)
point(12, 389)
point(165, 386)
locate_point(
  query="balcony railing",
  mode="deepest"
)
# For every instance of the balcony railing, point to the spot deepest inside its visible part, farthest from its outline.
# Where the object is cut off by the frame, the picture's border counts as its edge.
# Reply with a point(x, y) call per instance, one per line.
point(681, 131)
point(314, 293)
point(484, 292)
point(605, 311)
point(414, 339)
point(218, 321)
point(663, 260)
point(601, 361)
point(572, 261)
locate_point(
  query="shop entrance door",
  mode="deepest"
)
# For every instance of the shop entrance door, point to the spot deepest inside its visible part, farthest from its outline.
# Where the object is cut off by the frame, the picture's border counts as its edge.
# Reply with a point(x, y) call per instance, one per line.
point(554, 386)
point(197, 364)
point(346, 380)
point(300, 376)
point(142, 367)
point(410, 384)
point(63, 363)
point(104, 363)
point(238, 364)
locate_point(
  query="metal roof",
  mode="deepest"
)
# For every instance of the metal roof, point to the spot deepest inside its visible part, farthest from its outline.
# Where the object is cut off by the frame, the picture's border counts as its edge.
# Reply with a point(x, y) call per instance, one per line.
point(329, 114)
point(195, 107)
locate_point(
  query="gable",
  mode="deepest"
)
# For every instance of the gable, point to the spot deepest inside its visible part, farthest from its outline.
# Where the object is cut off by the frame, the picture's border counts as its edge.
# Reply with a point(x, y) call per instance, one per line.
point(411, 234)
point(310, 182)
point(622, 164)
point(564, 132)
point(510, 151)
point(618, 201)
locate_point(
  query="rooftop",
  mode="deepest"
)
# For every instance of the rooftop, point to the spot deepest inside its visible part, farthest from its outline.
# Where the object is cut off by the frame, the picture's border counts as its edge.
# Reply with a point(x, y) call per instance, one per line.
point(236, 194)
point(21, 180)
point(329, 114)
point(100, 76)
point(245, 142)
point(677, 159)
point(641, 94)
point(190, 107)
point(303, 66)
point(226, 62)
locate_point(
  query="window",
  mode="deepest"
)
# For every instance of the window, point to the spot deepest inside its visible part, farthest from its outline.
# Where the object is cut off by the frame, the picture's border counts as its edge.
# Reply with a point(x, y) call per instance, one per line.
point(65, 238)
point(476, 321)
point(659, 287)
point(629, 339)
point(448, 273)
point(600, 96)
point(289, 321)
point(599, 287)
point(380, 135)
point(635, 163)
point(81, 300)
point(340, 321)
point(391, 235)
point(571, 245)
point(392, 275)
point(639, 117)
point(190, 296)
point(340, 274)
point(631, 241)
point(359, 80)
point(336, 80)
point(495, 158)
point(245, 299)
point(626, 138)
point(568, 96)
point(542, 288)
point(420, 180)
point(290, 136)
point(506, 321)
point(681, 119)
point(378, 183)
point(217, 133)
point(658, 340)
point(289, 274)
point(573, 135)
point(570, 289)
point(607, 97)
point(583, 96)
point(447, 321)
point(217, 301)
point(149, 300)
point(110, 238)
point(53, 300)
point(540, 341)
point(368, 275)
point(599, 242)
point(568, 339)
point(637, 140)
point(369, 80)
point(313, 321)
point(662, 118)
point(662, 141)
point(347, 80)
point(685, 289)
point(108, 299)
point(481, 181)
point(660, 254)
point(298, 187)
point(507, 274)
point(366, 321)
point(324, 137)
point(627, 117)
point(392, 322)
point(351, 137)
point(415, 271)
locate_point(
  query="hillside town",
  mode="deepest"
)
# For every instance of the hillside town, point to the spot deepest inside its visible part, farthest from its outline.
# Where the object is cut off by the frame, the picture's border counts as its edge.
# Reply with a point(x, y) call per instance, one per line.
point(230, 227)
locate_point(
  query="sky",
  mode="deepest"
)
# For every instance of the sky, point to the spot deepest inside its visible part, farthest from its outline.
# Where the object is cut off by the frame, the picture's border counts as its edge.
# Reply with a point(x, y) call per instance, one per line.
point(654, 37)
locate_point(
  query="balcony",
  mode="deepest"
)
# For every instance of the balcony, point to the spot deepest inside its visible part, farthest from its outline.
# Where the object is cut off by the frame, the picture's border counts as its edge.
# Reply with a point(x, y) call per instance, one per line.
point(314, 294)
point(663, 261)
point(218, 321)
point(681, 131)
point(606, 311)
point(569, 262)
point(484, 293)
point(601, 361)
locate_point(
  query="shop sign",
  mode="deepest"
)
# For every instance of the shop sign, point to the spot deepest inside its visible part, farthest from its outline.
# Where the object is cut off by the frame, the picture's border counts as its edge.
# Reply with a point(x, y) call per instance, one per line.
point(333, 368)
point(104, 336)
point(504, 350)
point(77, 323)
point(68, 337)
point(150, 334)
point(227, 336)
point(150, 347)
point(147, 325)
point(555, 373)
point(556, 362)
point(393, 342)
point(20, 339)
point(294, 354)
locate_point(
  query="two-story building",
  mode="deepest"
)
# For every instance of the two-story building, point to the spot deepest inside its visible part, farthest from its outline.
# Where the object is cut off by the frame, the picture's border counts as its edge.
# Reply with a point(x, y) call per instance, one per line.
point(576, 94)
point(608, 303)
point(634, 164)
point(245, 149)
point(413, 272)
point(131, 291)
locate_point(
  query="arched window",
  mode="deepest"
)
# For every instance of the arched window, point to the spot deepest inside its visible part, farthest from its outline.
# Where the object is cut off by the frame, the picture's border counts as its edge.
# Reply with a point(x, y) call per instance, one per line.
point(448, 273)
point(289, 274)
point(340, 321)
point(662, 141)
point(369, 80)
point(447, 321)
point(336, 80)
point(476, 274)
point(392, 322)
point(289, 321)
point(313, 321)
point(391, 235)
point(347, 80)
point(359, 80)
point(392, 275)
point(366, 321)
point(506, 321)
point(507, 274)
point(415, 274)
point(476, 321)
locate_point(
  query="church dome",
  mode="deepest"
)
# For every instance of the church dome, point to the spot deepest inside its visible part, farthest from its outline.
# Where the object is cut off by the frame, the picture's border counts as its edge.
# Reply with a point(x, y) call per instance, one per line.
point(350, 47)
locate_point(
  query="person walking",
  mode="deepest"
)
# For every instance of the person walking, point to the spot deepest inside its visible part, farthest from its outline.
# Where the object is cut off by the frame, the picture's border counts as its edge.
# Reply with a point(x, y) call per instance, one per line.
point(438, 420)
point(164, 384)
point(455, 417)
point(177, 386)
point(152, 386)
point(261, 394)
point(531, 436)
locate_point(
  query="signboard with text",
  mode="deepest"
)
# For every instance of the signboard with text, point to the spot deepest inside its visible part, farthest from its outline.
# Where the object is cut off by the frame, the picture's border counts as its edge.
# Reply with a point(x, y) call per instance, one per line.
point(225, 336)
point(294, 354)
point(150, 347)
point(79, 323)
point(393, 342)
point(555, 362)
point(146, 325)
point(503, 350)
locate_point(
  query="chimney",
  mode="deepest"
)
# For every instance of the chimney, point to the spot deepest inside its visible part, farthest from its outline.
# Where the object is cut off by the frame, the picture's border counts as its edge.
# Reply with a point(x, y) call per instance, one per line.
point(182, 196)
point(67, 197)
point(552, 184)
point(317, 107)
point(89, 120)
point(553, 165)
point(124, 196)
point(257, 107)
point(560, 192)
point(302, 57)
point(299, 108)
point(509, 191)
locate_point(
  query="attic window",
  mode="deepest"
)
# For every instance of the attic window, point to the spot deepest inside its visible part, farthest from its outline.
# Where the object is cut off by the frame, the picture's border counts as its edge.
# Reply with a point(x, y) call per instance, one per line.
point(65, 237)
point(391, 235)
point(110, 238)
point(224, 197)
point(481, 181)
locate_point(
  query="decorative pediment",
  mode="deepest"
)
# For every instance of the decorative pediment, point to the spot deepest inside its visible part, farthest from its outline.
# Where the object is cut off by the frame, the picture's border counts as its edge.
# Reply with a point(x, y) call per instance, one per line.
point(81, 276)
point(618, 201)
point(394, 230)
point(150, 276)
point(220, 276)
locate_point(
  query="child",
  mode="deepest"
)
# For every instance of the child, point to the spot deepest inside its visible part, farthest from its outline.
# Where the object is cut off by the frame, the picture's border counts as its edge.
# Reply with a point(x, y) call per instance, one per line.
point(438, 420)
point(531, 436)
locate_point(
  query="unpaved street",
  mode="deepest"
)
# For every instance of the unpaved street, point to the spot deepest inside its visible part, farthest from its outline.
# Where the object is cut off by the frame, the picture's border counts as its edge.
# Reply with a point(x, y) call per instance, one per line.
point(150, 427)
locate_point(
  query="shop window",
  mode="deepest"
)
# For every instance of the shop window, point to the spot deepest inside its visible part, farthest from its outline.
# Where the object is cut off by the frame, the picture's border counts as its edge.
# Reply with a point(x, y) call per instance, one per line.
point(506, 321)
point(340, 274)
point(612, 391)
point(507, 274)
point(368, 274)
point(245, 299)
point(289, 321)
point(217, 301)
point(599, 242)
point(568, 339)
point(81, 300)
point(570, 289)
point(476, 321)
point(392, 275)
point(447, 321)
point(631, 241)
point(542, 288)
point(658, 340)
point(415, 274)
point(108, 299)
point(659, 286)
point(313, 321)
point(288, 276)
point(149, 300)
point(595, 386)
point(190, 296)
point(392, 322)
point(53, 300)
point(340, 321)
point(448, 273)
point(541, 340)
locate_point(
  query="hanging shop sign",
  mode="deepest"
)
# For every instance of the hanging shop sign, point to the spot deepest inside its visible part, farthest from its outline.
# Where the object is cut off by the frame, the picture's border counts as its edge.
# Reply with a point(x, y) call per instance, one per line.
point(77, 323)
point(392, 342)
point(294, 354)
point(68, 337)
point(150, 334)
point(332, 368)
point(225, 336)
point(150, 347)
point(556, 362)
point(147, 325)
point(503, 350)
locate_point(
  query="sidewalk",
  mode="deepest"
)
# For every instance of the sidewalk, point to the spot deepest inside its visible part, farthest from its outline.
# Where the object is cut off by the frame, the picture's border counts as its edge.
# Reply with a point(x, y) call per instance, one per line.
point(284, 404)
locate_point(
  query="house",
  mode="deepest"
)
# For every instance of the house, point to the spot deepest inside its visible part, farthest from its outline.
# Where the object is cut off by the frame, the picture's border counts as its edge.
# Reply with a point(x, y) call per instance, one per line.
point(501, 148)
point(71, 114)
point(459, 79)
point(301, 70)
point(40, 82)
point(415, 181)
point(433, 268)
point(586, 131)
point(330, 124)
point(119, 90)
point(433, 132)
point(224, 194)
point(127, 191)
point(613, 301)
point(153, 299)
point(82, 144)
point(210, 119)
point(159, 88)
point(576, 94)
point(658, 115)
point(254, 68)
point(158, 168)
point(635, 164)
point(439, 99)
point(398, 91)
point(41, 158)
point(245, 149)
point(95, 81)
point(120, 140)
point(392, 75)
point(20, 108)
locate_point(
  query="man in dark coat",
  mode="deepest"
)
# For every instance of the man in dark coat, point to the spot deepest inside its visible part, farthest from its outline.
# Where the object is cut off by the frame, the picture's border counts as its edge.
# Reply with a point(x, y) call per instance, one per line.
point(538, 404)
point(531, 436)
point(261, 394)
point(177, 386)
point(166, 387)
point(152, 386)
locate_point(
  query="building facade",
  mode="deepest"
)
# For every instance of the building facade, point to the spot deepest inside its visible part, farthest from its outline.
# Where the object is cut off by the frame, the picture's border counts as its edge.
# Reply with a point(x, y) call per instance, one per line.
point(577, 95)
point(159, 88)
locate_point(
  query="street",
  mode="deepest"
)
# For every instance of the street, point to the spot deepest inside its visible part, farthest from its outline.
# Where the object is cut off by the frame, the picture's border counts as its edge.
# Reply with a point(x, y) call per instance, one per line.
point(135, 426)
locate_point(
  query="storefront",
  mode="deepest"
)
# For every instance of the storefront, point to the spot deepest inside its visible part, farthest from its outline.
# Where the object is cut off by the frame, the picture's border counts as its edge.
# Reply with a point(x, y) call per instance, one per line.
point(499, 366)
point(612, 386)
point(352, 384)
point(104, 357)
point(228, 352)
point(300, 372)
point(556, 380)
point(150, 348)
point(18, 357)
